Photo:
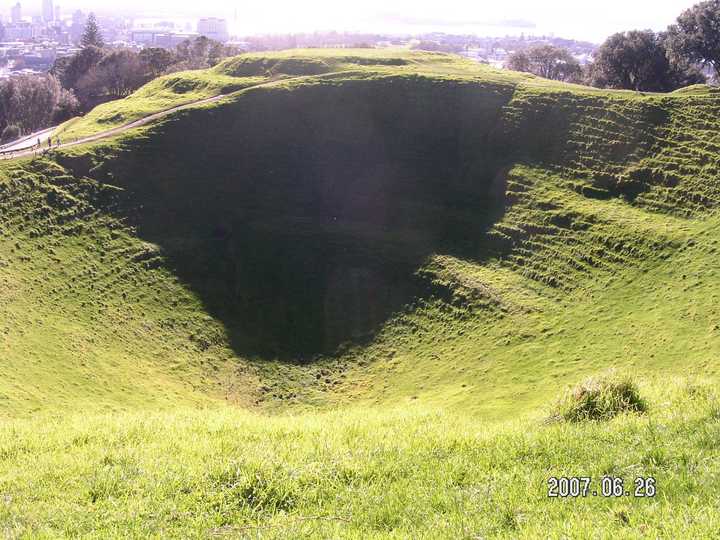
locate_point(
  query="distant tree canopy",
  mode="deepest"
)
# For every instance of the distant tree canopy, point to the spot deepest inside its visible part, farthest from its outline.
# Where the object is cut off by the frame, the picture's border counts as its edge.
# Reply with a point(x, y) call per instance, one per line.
point(638, 60)
point(32, 102)
point(695, 37)
point(71, 70)
point(547, 61)
point(157, 60)
point(118, 74)
point(200, 53)
point(96, 74)
point(434, 46)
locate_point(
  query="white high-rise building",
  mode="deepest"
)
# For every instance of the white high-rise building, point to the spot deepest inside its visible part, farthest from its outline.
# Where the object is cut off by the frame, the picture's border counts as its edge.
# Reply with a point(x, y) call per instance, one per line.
point(48, 11)
point(16, 13)
point(213, 28)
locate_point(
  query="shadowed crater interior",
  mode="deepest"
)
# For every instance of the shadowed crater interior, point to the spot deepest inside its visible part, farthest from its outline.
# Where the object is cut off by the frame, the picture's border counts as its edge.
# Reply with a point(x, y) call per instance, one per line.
point(300, 215)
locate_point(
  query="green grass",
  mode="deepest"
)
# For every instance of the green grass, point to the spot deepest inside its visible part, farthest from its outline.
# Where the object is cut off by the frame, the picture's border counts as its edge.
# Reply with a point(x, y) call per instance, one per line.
point(91, 320)
point(513, 321)
point(343, 302)
point(253, 69)
point(360, 473)
point(159, 95)
point(600, 398)
point(245, 71)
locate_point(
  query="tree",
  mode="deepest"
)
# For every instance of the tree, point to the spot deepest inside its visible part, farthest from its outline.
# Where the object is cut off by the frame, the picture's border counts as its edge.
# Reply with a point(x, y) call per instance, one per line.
point(424, 45)
point(121, 72)
point(201, 53)
point(519, 61)
point(195, 53)
point(10, 133)
point(7, 89)
point(696, 35)
point(94, 74)
point(92, 37)
point(71, 71)
point(638, 60)
point(36, 99)
point(28, 102)
point(555, 63)
point(547, 61)
point(157, 60)
point(682, 73)
point(118, 74)
point(67, 107)
point(60, 67)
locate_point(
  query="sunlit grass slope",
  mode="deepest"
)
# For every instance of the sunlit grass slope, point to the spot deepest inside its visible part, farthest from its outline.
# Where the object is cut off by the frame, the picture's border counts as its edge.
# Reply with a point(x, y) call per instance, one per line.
point(244, 71)
point(90, 320)
point(159, 95)
point(405, 258)
point(475, 239)
point(412, 473)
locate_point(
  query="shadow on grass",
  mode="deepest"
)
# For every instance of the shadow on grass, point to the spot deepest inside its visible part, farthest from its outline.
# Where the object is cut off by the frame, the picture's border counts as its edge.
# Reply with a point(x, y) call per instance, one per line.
point(300, 217)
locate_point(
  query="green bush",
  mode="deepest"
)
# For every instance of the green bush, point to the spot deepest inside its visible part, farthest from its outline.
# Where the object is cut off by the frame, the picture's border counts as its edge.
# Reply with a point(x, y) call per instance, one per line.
point(600, 398)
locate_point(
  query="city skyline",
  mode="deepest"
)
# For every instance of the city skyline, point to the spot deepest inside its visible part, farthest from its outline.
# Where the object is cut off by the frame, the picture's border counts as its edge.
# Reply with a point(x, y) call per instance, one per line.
point(584, 21)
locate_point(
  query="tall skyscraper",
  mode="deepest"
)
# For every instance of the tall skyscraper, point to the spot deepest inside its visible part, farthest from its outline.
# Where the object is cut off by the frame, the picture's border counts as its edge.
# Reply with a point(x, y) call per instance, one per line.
point(16, 13)
point(48, 11)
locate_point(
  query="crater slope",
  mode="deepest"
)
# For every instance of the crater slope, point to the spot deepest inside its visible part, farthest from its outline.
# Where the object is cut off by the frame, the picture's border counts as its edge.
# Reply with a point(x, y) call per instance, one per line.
point(356, 227)
point(338, 302)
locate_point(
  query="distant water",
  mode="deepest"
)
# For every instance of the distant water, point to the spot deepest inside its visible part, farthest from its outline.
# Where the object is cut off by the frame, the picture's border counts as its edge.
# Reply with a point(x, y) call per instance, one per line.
point(178, 24)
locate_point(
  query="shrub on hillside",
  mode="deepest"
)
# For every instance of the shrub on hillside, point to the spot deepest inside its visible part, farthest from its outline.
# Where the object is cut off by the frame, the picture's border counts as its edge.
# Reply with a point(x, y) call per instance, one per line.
point(600, 398)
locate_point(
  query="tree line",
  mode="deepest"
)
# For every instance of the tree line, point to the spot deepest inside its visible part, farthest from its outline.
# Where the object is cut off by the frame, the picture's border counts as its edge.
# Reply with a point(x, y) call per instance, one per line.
point(94, 75)
point(640, 60)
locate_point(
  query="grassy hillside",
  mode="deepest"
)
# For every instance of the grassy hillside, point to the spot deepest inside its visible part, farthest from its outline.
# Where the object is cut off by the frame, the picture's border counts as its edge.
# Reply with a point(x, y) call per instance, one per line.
point(245, 71)
point(90, 317)
point(159, 95)
point(382, 209)
point(408, 238)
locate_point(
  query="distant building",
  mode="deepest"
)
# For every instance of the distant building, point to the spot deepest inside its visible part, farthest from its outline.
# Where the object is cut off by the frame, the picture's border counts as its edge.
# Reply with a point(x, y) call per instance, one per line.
point(21, 31)
point(78, 26)
point(16, 13)
point(213, 28)
point(58, 14)
point(39, 60)
point(159, 38)
point(48, 11)
point(170, 41)
point(79, 18)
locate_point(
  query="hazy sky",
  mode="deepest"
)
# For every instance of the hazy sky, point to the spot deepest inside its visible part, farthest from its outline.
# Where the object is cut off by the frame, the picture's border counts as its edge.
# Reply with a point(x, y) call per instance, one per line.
point(578, 19)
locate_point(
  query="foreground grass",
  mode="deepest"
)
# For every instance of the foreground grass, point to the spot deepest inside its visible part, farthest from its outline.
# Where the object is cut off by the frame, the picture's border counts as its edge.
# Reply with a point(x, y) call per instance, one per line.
point(414, 473)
